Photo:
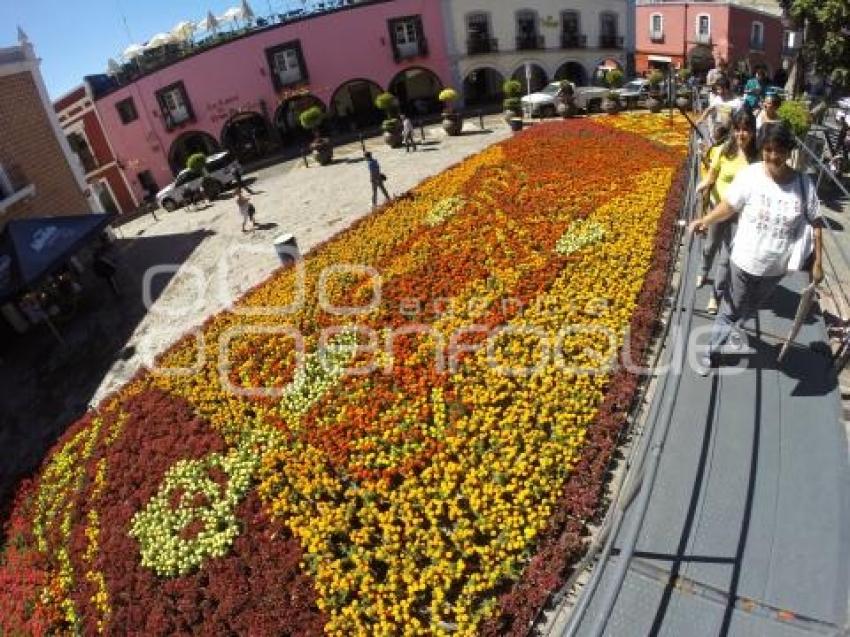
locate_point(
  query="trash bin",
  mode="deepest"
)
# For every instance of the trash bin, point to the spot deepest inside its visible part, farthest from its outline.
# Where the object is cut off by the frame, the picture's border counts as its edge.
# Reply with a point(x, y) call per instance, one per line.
point(287, 248)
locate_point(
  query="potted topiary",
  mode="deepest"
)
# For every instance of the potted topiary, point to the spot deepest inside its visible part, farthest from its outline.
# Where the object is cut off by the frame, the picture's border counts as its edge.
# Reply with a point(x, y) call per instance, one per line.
point(683, 94)
point(197, 163)
point(512, 104)
point(796, 115)
point(452, 121)
point(311, 119)
point(654, 101)
point(614, 80)
point(566, 99)
point(391, 125)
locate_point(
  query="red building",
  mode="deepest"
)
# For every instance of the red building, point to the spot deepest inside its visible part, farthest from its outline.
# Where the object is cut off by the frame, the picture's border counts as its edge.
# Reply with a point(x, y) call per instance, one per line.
point(698, 34)
point(84, 131)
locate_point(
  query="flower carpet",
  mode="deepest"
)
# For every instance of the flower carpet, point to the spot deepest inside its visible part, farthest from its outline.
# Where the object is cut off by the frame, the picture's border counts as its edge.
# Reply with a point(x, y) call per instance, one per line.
point(405, 433)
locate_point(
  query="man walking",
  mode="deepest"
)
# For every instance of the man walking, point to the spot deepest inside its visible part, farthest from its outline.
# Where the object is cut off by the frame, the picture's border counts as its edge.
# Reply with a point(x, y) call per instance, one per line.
point(377, 178)
point(407, 133)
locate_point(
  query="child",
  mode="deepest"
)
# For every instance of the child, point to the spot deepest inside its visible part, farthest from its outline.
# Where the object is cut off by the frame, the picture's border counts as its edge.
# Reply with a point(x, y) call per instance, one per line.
point(246, 208)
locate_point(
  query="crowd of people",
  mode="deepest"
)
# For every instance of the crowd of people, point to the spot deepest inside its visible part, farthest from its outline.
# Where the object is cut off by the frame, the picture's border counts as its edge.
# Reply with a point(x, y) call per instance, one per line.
point(764, 217)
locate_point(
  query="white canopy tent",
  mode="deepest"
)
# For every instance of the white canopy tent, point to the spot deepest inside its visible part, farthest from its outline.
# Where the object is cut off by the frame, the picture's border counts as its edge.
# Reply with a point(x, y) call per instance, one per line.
point(159, 40)
point(182, 31)
point(133, 51)
point(208, 24)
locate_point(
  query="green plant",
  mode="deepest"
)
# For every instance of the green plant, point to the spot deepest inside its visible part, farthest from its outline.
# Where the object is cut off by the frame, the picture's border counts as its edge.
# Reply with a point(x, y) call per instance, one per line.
point(390, 124)
point(614, 78)
point(447, 96)
point(655, 79)
point(388, 103)
point(684, 74)
point(196, 162)
point(796, 115)
point(512, 104)
point(311, 118)
point(511, 88)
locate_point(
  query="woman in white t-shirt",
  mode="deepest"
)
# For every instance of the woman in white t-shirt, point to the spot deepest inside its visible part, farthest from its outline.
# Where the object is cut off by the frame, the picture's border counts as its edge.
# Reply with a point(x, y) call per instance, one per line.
point(773, 203)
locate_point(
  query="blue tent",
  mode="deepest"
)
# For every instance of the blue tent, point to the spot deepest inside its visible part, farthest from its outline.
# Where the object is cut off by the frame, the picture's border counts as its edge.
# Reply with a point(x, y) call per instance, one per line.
point(30, 249)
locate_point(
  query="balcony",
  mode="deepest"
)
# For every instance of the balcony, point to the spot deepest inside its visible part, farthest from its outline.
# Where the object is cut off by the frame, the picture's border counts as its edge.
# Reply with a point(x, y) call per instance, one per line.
point(529, 42)
point(789, 52)
point(656, 36)
point(573, 41)
point(756, 45)
point(702, 38)
point(610, 41)
point(479, 46)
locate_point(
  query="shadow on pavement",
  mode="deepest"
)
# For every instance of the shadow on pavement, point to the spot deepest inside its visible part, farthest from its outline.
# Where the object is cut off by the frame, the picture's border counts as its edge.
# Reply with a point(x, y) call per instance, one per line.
point(480, 131)
point(48, 385)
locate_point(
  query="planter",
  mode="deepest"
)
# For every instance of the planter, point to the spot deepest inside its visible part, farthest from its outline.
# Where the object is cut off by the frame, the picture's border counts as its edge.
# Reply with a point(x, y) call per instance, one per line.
point(567, 109)
point(393, 138)
point(511, 114)
point(610, 106)
point(683, 102)
point(323, 151)
point(654, 104)
point(452, 123)
point(515, 124)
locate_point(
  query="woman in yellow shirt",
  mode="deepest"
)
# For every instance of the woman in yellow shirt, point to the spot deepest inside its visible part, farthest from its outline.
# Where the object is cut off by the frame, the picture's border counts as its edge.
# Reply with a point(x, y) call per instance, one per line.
point(738, 152)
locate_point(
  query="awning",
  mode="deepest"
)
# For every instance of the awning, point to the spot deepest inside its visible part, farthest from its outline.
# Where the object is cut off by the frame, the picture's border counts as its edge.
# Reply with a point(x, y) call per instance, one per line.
point(659, 58)
point(30, 249)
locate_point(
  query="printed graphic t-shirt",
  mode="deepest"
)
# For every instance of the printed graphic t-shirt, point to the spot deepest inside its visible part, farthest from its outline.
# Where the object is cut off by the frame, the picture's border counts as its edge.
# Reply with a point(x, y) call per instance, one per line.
point(770, 219)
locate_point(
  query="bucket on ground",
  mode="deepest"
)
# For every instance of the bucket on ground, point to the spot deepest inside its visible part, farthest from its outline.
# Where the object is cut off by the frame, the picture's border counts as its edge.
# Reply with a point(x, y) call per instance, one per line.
point(287, 248)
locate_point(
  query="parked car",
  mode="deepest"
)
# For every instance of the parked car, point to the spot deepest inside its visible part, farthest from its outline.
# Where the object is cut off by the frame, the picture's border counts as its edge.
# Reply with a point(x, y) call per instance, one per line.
point(544, 102)
point(221, 171)
point(634, 91)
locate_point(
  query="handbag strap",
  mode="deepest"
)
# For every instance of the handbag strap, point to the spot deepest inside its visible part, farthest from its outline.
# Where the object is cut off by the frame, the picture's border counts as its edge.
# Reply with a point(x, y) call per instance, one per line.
point(804, 197)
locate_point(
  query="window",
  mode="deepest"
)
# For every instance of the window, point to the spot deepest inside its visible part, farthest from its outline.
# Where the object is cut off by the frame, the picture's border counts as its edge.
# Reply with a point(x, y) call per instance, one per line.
point(79, 144)
point(127, 110)
point(478, 38)
point(526, 29)
point(407, 37)
point(174, 105)
point(703, 27)
point(608, 38)
point(570, 29)
point(286, 62)
point(656, 26)
point(757, 36)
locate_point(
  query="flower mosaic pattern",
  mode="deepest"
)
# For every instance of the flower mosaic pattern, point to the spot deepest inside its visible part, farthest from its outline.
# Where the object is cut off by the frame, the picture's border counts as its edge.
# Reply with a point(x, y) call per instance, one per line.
point(439, 488)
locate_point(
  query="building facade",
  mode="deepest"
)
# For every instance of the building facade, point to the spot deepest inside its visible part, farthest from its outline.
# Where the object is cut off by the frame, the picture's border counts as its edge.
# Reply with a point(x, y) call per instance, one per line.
point(535, 42)
point(245, 93)
point(39, 175)
point(84, 131)
point(699, 34)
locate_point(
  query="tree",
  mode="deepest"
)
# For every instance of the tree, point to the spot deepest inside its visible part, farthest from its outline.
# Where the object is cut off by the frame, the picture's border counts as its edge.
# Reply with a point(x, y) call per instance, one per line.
point(827, 43)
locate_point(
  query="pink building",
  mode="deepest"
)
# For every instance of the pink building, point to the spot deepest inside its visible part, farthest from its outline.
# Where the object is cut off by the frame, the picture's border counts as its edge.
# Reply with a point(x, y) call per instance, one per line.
point(698, 34)
point(245, 93)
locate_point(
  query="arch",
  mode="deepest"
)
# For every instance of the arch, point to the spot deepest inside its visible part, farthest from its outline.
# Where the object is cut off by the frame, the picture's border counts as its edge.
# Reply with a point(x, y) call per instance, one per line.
point(188, 143)
point(602, 67)
point(572, 71)
point(246, 135)
point(482, 85)
point(417, 89)
point(286, 118)
point(539, 78)
point(353, 104)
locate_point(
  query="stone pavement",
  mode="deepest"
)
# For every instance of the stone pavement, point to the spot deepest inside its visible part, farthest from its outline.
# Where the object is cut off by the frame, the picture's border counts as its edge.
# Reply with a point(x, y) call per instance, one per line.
point(46, 386)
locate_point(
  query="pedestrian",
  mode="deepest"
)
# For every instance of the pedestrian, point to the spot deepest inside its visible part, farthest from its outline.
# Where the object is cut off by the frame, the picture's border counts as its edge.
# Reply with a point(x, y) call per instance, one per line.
point(721, 105)
point(755, 88)
point(377, 178)
point(716, 73)
point(407, 133)
point(775, 204)
point(768, 114)
point(738, 152)
point(246, 209)
point(240, 185)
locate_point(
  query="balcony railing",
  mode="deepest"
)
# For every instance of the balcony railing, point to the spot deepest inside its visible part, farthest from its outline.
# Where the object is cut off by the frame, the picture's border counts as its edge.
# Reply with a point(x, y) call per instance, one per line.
point(789, 52)
point(478, 46)
point(573, 41)
point(411, 50)
point(529, 42)
point(656, 36)
point(703, 38)
point(610, 41)
point(756, 45)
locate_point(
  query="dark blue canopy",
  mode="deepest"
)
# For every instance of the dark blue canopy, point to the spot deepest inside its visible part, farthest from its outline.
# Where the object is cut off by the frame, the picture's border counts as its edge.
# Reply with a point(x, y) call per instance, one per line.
point(30, 249)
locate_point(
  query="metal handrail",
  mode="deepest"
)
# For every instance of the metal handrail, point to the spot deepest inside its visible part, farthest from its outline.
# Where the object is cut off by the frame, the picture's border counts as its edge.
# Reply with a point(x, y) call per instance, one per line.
point(645, 476)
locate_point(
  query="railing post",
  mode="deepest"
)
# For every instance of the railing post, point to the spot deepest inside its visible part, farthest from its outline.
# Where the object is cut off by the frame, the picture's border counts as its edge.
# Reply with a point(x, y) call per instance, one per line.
point(480, 119)
point(362, 143)
point(304, 156)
